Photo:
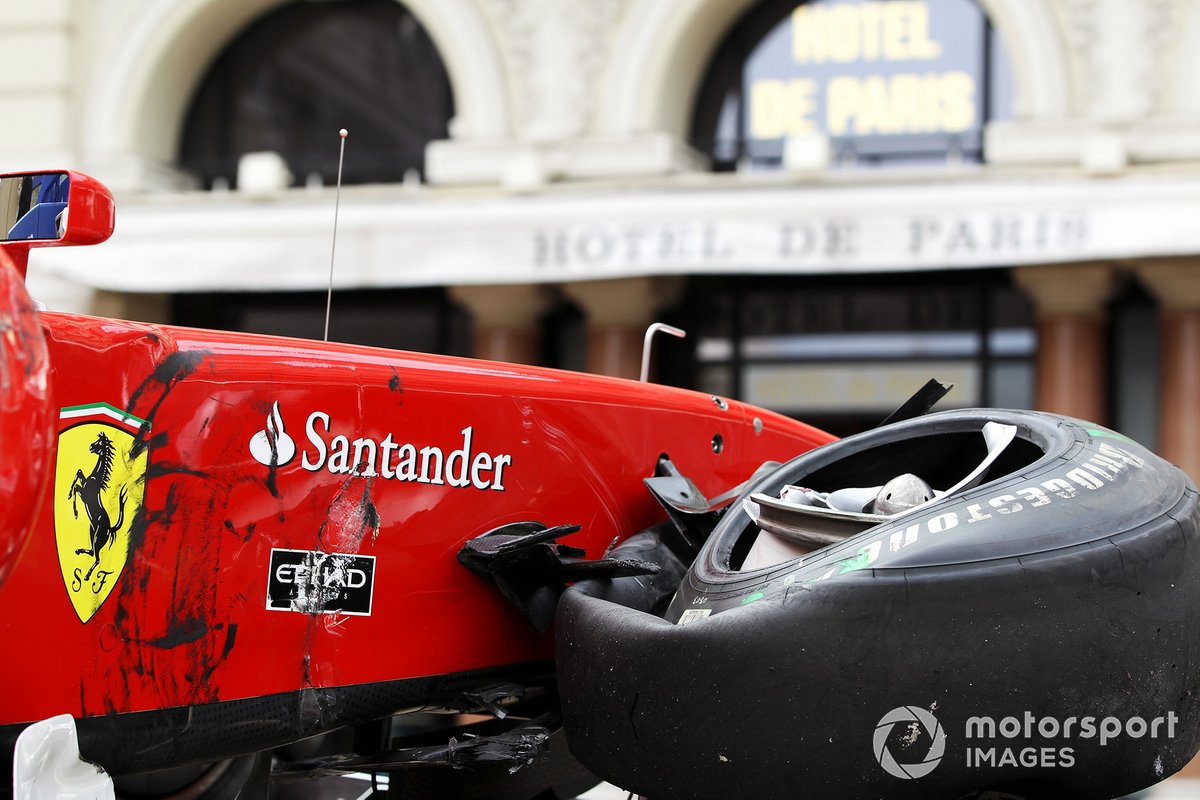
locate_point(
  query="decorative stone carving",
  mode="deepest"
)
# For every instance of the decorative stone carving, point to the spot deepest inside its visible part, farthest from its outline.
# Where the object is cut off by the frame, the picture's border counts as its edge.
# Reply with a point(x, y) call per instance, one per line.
point(1164, 19)
point(1118, 54)
point(555, 53)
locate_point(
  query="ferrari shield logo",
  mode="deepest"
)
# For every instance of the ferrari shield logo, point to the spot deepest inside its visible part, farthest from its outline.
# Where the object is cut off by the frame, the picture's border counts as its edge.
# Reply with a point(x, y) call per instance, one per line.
point(98, 488)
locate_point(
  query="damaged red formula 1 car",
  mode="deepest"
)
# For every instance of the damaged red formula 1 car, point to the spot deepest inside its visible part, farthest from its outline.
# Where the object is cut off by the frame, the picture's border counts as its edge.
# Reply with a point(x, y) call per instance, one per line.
point(237, 562)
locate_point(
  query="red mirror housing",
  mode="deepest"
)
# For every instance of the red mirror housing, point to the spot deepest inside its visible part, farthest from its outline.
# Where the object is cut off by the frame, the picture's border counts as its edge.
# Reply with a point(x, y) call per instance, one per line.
point(89, 219)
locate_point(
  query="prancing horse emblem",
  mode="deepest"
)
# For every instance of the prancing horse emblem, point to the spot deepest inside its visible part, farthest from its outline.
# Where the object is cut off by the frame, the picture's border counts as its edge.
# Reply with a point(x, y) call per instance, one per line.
point(101, 530)
point(99, 483)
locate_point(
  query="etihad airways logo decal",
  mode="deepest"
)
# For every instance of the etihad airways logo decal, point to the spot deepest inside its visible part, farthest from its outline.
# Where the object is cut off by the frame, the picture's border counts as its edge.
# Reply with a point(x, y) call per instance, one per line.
point(460, 466)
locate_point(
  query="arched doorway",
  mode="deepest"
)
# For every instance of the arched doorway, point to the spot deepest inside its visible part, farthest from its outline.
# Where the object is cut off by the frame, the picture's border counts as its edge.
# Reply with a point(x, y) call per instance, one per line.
point(295, 76)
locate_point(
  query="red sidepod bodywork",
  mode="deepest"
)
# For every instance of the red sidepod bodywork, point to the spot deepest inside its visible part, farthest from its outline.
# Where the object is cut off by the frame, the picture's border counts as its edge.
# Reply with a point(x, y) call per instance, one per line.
point(26, 423)
point(240, 461)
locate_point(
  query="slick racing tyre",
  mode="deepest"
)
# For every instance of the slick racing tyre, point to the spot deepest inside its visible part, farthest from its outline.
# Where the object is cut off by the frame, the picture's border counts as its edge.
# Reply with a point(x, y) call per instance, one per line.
point(1035, 627)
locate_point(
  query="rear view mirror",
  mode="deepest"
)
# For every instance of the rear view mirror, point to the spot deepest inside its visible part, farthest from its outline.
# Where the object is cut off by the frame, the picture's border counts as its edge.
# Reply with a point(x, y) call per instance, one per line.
point(47, 209)
point(34, 206)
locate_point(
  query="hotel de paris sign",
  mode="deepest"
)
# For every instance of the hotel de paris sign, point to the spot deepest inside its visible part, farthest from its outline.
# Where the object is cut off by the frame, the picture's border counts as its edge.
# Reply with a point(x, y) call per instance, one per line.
point(832, 242)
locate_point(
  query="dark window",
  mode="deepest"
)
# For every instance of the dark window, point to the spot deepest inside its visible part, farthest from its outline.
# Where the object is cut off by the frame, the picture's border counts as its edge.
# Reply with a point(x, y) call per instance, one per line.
point(843, 352)
point(1135, 349)
point(422, 320)
point(887, 82)
point(295, 76)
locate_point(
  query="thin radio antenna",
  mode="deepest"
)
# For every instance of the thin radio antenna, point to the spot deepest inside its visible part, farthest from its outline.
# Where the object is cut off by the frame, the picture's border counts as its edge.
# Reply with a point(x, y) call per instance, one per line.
point(337, 198)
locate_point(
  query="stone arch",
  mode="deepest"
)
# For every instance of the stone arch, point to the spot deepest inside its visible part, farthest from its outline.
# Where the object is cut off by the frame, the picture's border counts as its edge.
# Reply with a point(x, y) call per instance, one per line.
point(157, 57)
point(1038, 52)
point(665, 48)
point(1183, 96)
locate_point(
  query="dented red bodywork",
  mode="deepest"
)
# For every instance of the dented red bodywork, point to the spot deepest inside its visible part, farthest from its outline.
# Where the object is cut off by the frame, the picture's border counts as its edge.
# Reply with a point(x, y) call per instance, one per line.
point(187, 621)
point(219, 526)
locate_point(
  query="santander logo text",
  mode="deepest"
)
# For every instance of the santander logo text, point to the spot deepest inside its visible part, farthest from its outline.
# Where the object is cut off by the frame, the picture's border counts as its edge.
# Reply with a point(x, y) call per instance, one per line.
point(462, 464)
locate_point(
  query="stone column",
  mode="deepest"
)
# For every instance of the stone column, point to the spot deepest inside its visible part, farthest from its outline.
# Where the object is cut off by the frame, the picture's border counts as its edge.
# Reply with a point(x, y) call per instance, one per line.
point(1071, 373)
point(505, 319)
point(1175, 282)
point(618, 313)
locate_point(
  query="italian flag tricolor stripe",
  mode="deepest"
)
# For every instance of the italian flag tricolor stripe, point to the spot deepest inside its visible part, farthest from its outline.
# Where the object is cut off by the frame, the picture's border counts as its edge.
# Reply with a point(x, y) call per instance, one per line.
point(102, 410)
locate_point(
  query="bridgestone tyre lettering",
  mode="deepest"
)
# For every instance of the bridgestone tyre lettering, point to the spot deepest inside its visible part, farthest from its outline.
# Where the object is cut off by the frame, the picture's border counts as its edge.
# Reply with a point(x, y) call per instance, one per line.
point(1065, 586)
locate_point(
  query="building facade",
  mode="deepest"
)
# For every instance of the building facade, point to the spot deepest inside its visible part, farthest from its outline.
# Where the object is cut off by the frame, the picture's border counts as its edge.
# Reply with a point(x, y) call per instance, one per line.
point(838, 199)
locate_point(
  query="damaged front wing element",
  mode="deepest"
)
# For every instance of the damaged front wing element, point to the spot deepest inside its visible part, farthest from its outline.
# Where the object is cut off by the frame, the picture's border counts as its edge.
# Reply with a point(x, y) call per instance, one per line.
point(525, 561)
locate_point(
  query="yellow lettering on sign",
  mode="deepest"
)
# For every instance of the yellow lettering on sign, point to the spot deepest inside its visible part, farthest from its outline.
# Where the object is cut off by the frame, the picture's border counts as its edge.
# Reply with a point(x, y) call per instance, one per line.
point(782, 108)
point(905, 98)
point(920, 46)
point(957, 101)
point(904, 103)
point(841, 104)
point(894, 31)
point(808, 41)
point(842, 33)
point(875, 109)
point(871, 16)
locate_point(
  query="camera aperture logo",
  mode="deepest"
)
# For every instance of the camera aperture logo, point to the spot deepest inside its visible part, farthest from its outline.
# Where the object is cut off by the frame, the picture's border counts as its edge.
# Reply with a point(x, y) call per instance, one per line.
point(915, 722)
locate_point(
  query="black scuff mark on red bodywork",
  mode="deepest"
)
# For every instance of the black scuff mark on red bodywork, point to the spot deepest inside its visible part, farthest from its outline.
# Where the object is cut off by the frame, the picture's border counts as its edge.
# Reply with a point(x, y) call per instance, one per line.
point(174, 368)
point(165, 516)
point(313, 701)
point(272, 468)
point(229, 526)
point(350, 515)
point(171, 638)
point(394, 384)
point(180, 632)
point(210, 666)
point(170, 371)
point(161, 468)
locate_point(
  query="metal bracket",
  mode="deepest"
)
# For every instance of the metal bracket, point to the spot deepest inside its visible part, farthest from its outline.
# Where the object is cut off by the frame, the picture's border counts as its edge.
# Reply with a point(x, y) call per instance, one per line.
point(648, 340)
